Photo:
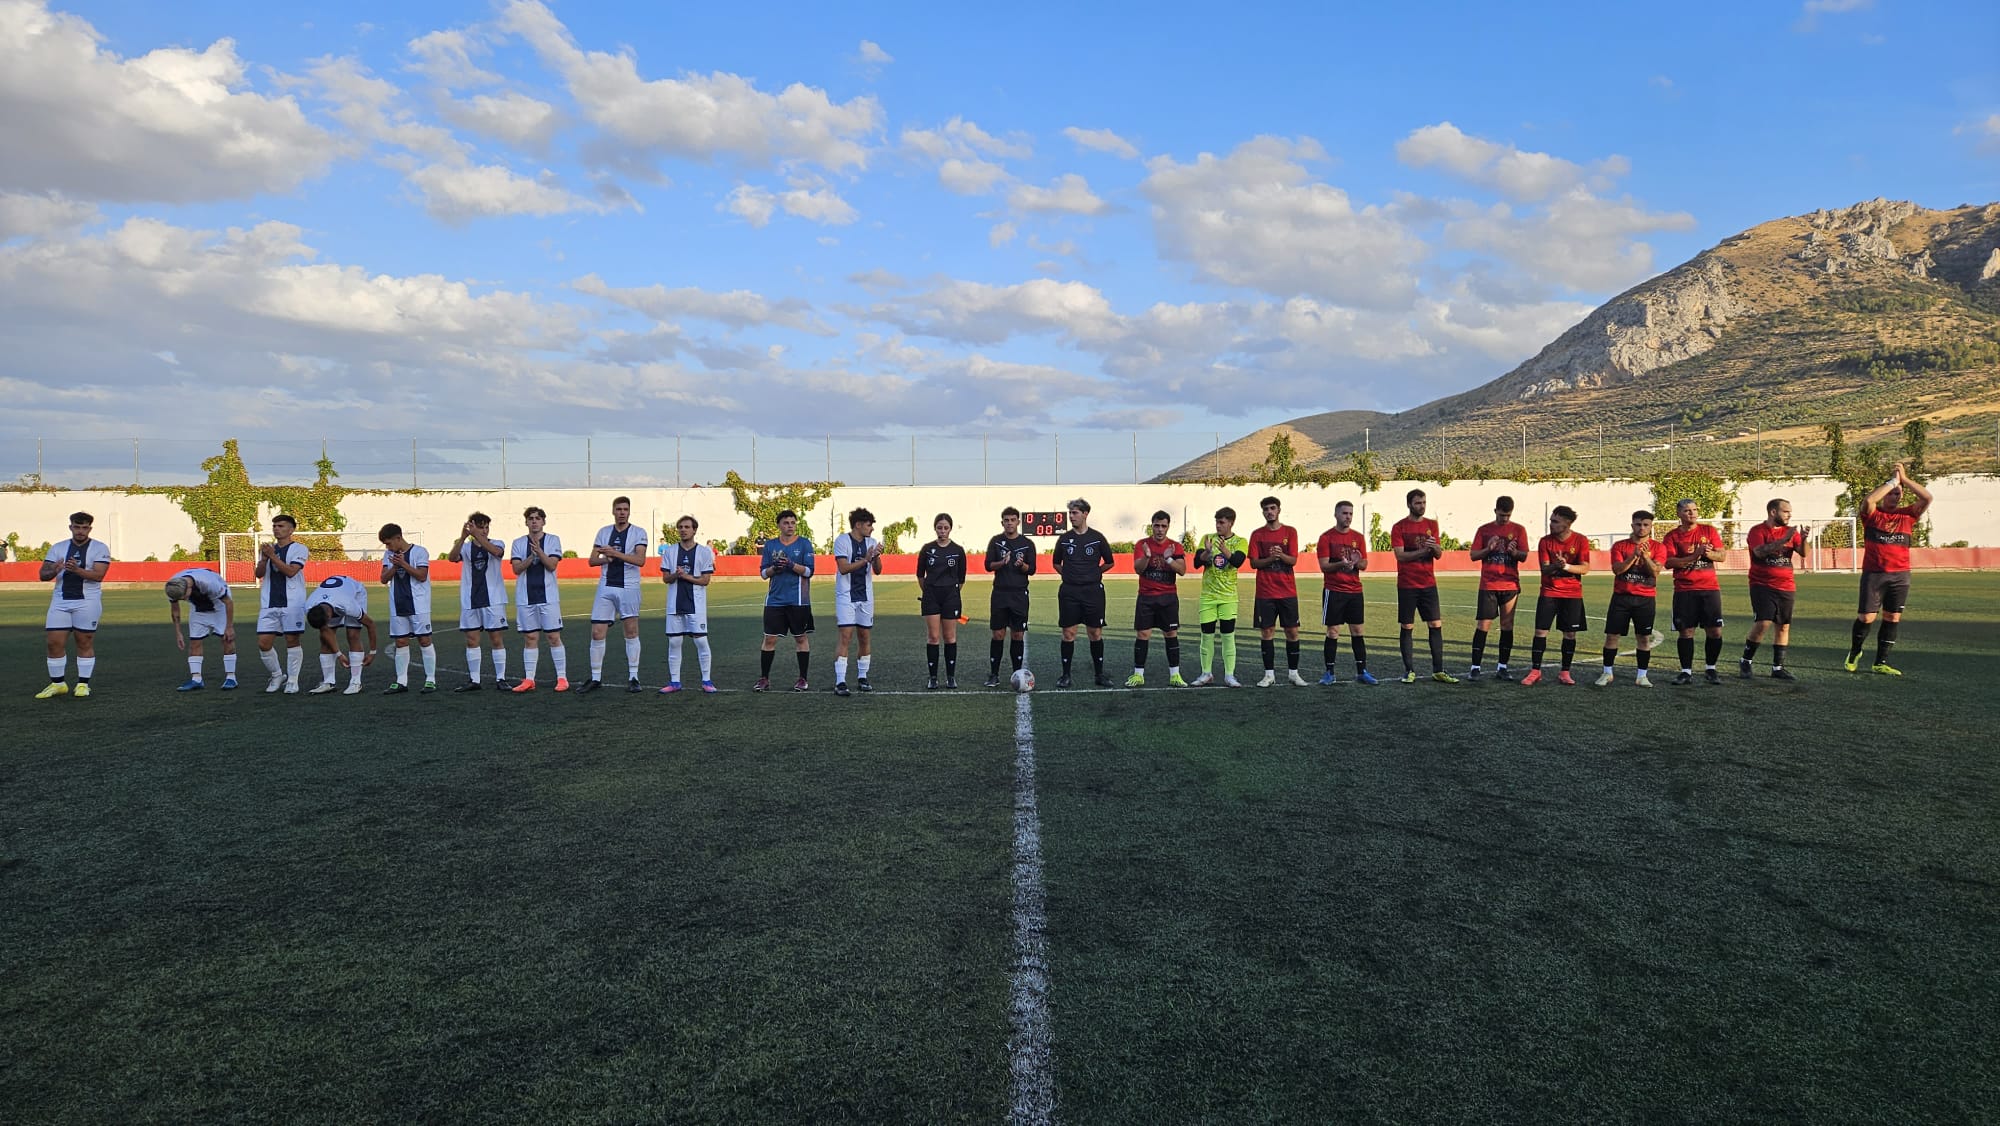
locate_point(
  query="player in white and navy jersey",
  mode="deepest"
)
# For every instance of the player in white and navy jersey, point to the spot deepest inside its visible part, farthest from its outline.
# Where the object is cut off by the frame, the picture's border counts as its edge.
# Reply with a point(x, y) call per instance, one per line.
point(686, 566)
point(620, 550)
point(406, 571)
point(857, 560)
point(76, 568)
point(281, 604)
point(210, 611)
point(482, 598)
point(340, 602)
point(537, 599)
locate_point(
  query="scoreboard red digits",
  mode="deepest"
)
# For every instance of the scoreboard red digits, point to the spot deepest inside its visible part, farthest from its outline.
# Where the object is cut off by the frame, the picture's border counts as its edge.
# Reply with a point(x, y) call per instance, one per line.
point(1045, 523)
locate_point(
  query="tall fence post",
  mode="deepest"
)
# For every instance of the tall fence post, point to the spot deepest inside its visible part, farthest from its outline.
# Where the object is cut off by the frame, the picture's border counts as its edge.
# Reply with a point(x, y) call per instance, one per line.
point(1218, 454)
point(413, 464)
point(39, 479)
point(1135, 457)
point(503, 464)
point(985, 477)
point(913, 459)
point(1524, 451)
point(753, 459)
point(135, 462)
point(829, 458)
point(589, 465)
point(1670, 447)
point(1058, 439)
point(1444, 470)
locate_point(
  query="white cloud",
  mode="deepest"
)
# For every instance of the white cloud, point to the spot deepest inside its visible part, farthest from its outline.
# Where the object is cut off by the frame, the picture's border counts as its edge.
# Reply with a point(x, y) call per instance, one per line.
point(374, 109)
point(22, 214)
point(458, 192)
point(806, 198)
point(446, 58)
point(1257, 218)
point(1102, 140)
point(698, 116)
point(872, 54)
point(752, 204)
point(976, 313)
point(878, 279)
point(1001, 233)
point(1578, 241)
point(1519, 175)
point(1986, 133)
point(959, 137)
point(1812, 10)
point(1069, 195)
point(510, 117)
point(738, 309)
point(174, 125)
point(971, 176)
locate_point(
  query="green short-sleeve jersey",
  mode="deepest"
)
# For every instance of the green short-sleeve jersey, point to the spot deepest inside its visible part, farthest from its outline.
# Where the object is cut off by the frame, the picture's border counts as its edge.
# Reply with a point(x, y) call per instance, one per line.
point(1218, 582)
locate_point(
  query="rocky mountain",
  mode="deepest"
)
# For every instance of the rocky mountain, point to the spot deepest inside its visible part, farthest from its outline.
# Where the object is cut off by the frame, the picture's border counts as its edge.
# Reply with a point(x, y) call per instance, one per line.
point(1869, 315)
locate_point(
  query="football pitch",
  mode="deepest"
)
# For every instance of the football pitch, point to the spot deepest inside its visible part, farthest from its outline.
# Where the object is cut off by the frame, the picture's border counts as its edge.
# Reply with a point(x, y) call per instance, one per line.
point(1432, 903)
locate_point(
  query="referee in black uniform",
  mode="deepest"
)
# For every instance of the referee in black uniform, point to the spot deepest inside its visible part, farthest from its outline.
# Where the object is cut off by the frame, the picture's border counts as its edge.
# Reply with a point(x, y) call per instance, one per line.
point(1082, 556)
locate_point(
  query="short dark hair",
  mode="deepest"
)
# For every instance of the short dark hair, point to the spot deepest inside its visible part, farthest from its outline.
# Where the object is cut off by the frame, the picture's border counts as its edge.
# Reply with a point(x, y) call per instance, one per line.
point(284, 518)
point(1162, 515)
point(858, 515)
point(1080, 504)
point(1643, 514)
point(317, 616)
point(688, 520)
point(1269, 501)
point(1504, 504)
point(785, 513)
point(616, 501)
point(479, 518)
point(1564, 511)
point(1773, 503)
point(1225, 513)
point(1010, 510)
point(944, 517)
point(1412, 495)
point(81, 518)
point(532, 510)
point(1343, 504)
point(389, 532)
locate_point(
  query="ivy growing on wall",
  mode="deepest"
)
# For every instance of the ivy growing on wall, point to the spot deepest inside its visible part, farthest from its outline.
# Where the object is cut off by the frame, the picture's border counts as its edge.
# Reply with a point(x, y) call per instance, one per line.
point(762, 503)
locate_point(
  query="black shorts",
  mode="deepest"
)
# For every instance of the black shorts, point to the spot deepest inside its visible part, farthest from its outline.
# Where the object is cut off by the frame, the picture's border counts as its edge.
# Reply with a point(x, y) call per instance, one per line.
point(1493, 603)
point(1079, 605)
point(1774, 606)
point(795, 621)
point(1565, 614)
point(943, 601)
point(1630, 613)
point(1884, 592)
point(1341, 608)
point(1157, 611)
point(1697, 609)
point(1266, 613)
point(1010, 610)
point(1419, 605)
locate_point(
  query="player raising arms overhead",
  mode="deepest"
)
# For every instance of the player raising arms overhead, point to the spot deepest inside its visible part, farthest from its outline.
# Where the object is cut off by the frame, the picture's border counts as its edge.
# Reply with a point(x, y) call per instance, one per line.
point(687, 566)
point(77, 567)
point(1274, 552)
point(538, 599)
point(281, 609)
point(482, 598)
point(1636, 565)
point(1159, 562)
point(940, 576)
point(1499, 548)
point(1565, 558)
point(1221, 557)
point(1885, 565)
point(1417, 547)
point(1343, 555)
point(1010, 556)
point(857, 560)
point(1693, 549)
point(1772, 545)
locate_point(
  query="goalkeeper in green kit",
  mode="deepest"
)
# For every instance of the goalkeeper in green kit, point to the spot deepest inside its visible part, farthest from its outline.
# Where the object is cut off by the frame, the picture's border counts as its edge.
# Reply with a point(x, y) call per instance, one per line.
point(1219, 557)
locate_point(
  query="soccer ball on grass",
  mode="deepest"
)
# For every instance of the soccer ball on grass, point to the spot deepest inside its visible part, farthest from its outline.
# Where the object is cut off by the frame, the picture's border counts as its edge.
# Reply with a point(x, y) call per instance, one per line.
point(1023, 680)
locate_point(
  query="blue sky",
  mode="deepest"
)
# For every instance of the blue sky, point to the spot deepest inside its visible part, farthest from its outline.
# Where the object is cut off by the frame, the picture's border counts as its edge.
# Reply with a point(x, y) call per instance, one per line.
point(470, 220)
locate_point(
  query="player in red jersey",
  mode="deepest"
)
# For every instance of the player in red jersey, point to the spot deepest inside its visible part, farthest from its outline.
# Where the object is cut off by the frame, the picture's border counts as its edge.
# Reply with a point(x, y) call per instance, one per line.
point(1499, 548)
point(1417, 548)
point(1274, 552)
point(1565, 558)
point(1343, 555)
point(1693, 550)
point(1889, 525)
point(1636, 565)
point(1772, 545)
point(1158, 560)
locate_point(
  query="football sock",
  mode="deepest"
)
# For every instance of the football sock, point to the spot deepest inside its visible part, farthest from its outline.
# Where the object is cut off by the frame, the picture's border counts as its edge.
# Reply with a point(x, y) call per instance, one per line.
point(1686, 647)
point(931, 659)
point(1292, 653)
point(1749, 650)
point(1227, 641)
point(270, 659)
point(86, 667)
point(1017, 651)
point(597, 660)
point(993, 652)
point(951, 659)
point(474, 661)
point(860, 663)
point(1506, 646)
point(1885, 640)
point(1478, 647)
point(1409, 643)
point(1097, 656)
point(1778, 656)
point(1568, 652)
point(1360, 653)
point(674, 661)
point(632, 658)
point(531, 661)
point(1645, 659)
point(295, 659)
point(402, 665)
point(1207, 646)
point(1173, 655)
point(764, 662)
point(1330, 649)
point(328, 666)
point(1269, 649)
point(1860, 638)
point(1610, 657)
point(430, 656)
point(805, 662)
point(557, 658)
point(499, 663)
point(1539, 647)
point(57, 667)
point(839, 668)
point(228, 665)
point(1068, 655)
point(194, 669)
point(1139, 649)
point(1712, 650)
point(1437, 649)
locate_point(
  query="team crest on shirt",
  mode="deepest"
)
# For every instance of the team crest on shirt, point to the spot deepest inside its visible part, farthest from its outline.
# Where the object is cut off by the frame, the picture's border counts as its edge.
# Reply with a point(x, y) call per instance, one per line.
point(1092, 550)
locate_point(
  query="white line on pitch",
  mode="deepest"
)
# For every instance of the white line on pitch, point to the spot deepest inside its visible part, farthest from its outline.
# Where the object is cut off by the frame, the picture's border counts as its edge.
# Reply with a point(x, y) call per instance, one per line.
point(1030, 1059)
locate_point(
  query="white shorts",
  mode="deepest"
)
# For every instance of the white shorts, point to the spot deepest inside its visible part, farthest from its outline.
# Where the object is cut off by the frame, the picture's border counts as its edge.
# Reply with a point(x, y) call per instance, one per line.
point(486, 618)
point(615, 604)
point(202, 623)
point(847, 612)
point(281, 619)
point(79, 616)
point(687, 625)
point(536, 619)
point(401, 625)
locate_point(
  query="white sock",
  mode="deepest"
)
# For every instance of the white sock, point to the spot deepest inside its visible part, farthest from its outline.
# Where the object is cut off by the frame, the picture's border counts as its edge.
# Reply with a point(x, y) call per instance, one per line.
point(354, 660)
point(861, 665)
point(194, 669)
point(531, 660)
point(840, 670)
point(270, 658)
point(632, 657)
point(673, 660)
point(474, 659)
point(86, 667)
point(557, 659)
point(329, 665)
point(701, 650)
point(295, 659)
point(430, 664)
point(499, 663)
point(228, 666)
point(597, 659)
point(59, 666)
point(402, 665)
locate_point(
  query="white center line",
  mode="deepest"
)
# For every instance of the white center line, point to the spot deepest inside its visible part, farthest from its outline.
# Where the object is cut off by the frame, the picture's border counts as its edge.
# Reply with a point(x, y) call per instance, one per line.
point(1030, 1058)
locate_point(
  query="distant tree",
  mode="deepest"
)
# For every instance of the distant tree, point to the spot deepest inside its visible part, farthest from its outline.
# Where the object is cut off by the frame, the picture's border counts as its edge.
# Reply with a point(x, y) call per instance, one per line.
point(1280, 465)
point(1836, 443)
point(1916, 435)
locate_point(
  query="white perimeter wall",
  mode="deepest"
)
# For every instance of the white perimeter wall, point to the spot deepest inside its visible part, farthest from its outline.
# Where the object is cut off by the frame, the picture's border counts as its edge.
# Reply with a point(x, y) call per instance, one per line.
point(1967, 508)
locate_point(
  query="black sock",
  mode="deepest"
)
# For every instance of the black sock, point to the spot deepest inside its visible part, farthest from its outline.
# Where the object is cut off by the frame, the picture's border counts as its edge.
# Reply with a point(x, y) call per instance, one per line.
point(1749, 650)
point(1478, 647)
point(1139, 651)
point(765, 659)
point(1535, 651)
point(1017, 650)
point(1686, 647)
point(1712, 650)
point(1068, 655)
point(1645, 659)
point(1860, 638)
point(951, 659)
point(1270, 652)
point(805, 662)
point(1885, 640)
point(931, 658)
point(1777, 655)
point(1437, 649)
point(993, 652)
point(1506, 645)
point(1173, 655)
point(1409, 644)
point(1610, 657)
point(1360, 653)
point(1097, 656)
point(1330, 649)
point(1569, 652)
point(1292, 653)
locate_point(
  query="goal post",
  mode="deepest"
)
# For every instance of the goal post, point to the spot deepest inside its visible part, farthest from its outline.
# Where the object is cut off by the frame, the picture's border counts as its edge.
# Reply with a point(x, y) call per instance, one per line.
point(237, 551)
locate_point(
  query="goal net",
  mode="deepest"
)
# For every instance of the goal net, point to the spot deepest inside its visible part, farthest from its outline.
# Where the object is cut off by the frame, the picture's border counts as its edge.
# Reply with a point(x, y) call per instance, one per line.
point(238, 551)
